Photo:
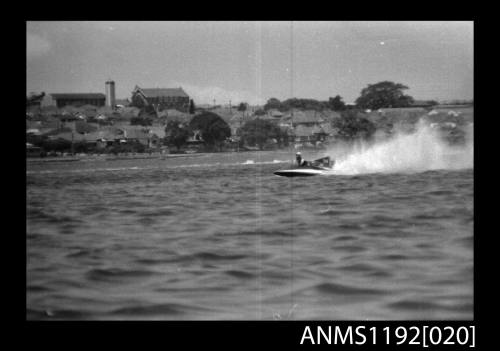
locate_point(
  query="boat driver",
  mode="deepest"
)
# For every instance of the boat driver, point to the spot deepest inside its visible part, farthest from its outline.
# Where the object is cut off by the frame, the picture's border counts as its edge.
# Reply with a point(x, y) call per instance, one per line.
point(300, 161)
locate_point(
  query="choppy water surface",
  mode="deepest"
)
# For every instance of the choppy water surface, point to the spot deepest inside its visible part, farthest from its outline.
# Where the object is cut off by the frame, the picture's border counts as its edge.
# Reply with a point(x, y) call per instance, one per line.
point(221, 237)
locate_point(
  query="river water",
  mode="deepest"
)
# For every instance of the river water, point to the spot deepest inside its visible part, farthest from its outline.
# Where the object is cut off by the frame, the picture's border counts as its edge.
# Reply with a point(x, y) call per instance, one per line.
point(219, 236)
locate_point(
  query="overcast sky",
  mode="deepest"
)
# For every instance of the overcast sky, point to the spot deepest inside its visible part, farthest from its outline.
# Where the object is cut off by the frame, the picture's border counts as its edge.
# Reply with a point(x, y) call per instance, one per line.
point(252, 61)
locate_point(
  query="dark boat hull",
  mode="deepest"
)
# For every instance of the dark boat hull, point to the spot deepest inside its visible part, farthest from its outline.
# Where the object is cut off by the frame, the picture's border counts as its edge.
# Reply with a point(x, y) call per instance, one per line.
point(300, 172)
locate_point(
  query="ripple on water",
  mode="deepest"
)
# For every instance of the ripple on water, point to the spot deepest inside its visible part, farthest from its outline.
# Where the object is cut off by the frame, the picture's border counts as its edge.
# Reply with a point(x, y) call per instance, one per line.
point(161, 212)
point(346, 290)
point(161, 310)
point(58, 314)
point(157, 243)
point(350, 227)
point(154, 261)
point(211, 256)
point(113, 274)
point(35, 288)
point(349, 248)
point(393, 257)
point(413, 305)
point(240, 274)
point(345, 238)
point(263, 232)
point(51, 218)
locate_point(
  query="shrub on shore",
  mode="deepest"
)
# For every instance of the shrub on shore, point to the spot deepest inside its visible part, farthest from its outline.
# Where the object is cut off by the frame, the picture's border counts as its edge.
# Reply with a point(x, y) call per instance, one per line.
point(141, 121)
point(119, 148)
point(259, 132)
point(176, 134)
point(213, 129)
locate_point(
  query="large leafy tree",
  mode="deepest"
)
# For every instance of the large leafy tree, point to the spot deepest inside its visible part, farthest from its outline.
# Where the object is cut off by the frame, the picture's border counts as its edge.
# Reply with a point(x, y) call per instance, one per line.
point(242, 106)
point(272, 103)
point(336, 103)
point(382, 95)
point(259, 131)
point(191, 107)
point(176, 134)
point(141, 121)
point(303, 104)
point(54, 145)
point(83, 127)
point(214, 130)
point(352, 125)
point(259, 112)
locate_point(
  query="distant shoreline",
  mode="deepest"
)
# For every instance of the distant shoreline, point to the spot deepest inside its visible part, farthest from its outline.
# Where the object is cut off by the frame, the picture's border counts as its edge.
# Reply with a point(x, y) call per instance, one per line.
point(91, 158)
point(105, 158)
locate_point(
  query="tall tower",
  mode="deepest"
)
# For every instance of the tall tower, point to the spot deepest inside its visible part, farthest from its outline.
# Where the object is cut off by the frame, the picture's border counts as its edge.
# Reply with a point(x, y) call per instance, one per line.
point(110, 93)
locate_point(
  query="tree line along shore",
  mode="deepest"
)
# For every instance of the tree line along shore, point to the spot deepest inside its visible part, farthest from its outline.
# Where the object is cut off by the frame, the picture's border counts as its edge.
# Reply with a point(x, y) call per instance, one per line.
point(381, 111)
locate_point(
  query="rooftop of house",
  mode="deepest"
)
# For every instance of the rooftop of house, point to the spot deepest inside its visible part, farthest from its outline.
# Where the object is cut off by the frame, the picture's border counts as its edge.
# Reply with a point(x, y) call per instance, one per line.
point(129, 111)
point(302, 130)
point(103, 134)
point(275, 113)
point(267, 117)
point(402, 109)
point(162, 92)
point(174, 115)
point(69, 136)
point(239, 118)
point(304, 117)
point(133, 133)
point(108, 133)
point(327, 127)
point(158, 130)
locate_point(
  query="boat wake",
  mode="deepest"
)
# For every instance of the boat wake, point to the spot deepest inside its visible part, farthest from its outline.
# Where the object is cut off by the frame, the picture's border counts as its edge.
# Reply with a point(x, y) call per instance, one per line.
point(420, 151)
point(162, 166)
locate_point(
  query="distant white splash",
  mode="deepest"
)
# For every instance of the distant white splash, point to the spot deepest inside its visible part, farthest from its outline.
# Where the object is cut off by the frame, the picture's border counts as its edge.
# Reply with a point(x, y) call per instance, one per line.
point(252, 162)
point(419, 151)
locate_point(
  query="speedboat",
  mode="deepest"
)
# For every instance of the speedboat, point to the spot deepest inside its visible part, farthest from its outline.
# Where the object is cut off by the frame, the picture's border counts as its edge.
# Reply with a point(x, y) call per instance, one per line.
point(317, 167)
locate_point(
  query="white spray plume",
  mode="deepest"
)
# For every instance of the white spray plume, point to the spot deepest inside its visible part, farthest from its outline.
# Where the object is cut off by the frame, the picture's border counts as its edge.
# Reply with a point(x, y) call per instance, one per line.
point(420, 151)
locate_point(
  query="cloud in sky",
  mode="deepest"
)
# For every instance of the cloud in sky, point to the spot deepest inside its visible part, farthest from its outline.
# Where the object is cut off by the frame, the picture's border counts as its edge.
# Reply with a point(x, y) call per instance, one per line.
point(36, 45)
point(249, 61)
point(206, 95)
